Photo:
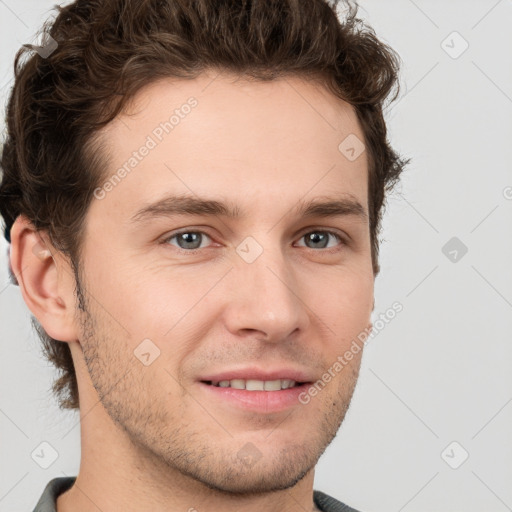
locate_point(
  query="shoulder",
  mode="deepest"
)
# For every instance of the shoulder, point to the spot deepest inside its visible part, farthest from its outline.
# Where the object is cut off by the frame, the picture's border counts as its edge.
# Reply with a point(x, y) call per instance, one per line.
point(47, 501)
point(327, 503)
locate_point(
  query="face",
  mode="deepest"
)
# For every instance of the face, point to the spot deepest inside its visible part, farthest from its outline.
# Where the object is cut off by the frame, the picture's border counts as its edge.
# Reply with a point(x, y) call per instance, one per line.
point(255, 285)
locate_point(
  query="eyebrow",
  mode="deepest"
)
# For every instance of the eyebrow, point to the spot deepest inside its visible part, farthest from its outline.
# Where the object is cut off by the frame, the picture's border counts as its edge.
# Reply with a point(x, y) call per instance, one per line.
point(193, 205)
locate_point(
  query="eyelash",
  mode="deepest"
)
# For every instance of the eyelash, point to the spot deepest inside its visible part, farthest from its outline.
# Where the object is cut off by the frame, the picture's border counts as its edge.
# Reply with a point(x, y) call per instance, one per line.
point(336, 235)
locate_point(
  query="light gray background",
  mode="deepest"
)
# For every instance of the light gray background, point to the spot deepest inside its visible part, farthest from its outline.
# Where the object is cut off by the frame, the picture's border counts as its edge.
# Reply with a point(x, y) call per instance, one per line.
point(440, 371)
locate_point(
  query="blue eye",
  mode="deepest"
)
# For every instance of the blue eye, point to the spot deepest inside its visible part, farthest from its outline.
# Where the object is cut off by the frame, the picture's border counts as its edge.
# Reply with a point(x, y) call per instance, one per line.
point(189, 239)
point(322, 240)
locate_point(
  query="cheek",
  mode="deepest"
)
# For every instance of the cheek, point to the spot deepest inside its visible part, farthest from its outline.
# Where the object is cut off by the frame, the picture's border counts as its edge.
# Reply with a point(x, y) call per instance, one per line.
point(165, 305)
point(344, 303)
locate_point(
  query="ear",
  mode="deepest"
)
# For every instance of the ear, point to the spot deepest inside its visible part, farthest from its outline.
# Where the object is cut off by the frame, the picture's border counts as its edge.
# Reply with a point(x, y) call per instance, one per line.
point(45, 279)
point(370, 324)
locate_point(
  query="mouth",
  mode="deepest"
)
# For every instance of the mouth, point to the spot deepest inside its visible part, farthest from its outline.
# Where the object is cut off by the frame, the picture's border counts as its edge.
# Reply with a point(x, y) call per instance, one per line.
point(260, 396)
point(256, 385)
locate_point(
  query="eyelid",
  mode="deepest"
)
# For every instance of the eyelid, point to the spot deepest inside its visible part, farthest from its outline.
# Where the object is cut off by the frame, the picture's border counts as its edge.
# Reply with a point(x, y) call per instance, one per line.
point(342, 237)
point(324, 229)
point(173, 234)
point(340, 246)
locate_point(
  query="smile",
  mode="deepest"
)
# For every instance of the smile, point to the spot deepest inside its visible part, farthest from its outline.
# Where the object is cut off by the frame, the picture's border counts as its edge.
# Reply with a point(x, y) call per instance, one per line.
point(255, 385)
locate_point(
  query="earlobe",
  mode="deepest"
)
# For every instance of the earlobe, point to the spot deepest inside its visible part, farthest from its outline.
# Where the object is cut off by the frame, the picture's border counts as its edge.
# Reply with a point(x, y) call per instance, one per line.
point(45, 282)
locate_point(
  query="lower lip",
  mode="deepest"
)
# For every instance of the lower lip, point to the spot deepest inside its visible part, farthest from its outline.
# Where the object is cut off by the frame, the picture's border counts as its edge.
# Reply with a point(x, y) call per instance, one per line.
point(259, 401)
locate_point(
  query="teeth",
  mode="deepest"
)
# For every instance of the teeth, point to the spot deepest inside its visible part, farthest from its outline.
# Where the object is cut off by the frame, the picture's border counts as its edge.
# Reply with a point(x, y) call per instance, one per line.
point(286, 383)
point(272, 385)
point(237, 383)
point(256, 385)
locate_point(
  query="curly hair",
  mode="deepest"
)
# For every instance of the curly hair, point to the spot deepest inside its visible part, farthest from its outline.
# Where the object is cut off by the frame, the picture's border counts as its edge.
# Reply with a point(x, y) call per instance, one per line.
point(104, 51)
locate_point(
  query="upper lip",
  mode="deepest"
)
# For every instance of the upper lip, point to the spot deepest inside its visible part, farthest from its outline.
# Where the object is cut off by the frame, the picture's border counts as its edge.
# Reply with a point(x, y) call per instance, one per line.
point(253, 373)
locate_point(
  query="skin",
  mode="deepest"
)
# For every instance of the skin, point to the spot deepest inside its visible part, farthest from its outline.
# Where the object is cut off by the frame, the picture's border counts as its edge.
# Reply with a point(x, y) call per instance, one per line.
point(151, 439)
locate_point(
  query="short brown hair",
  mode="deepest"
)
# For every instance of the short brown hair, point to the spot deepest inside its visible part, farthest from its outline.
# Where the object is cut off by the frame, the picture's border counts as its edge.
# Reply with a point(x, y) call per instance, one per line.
point(109, 49)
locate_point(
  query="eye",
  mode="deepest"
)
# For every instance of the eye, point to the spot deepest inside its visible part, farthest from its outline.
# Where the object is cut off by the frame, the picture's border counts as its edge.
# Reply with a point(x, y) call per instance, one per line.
point(319, 239)
point(190, 241)
point(187, 240)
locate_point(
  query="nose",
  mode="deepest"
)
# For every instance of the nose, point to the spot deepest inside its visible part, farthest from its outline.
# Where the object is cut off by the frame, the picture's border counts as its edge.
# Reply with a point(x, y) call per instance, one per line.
point(265, 297)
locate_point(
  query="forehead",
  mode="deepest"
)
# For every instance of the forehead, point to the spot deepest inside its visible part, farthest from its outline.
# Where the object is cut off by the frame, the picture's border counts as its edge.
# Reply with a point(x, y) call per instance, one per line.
point(223, 135)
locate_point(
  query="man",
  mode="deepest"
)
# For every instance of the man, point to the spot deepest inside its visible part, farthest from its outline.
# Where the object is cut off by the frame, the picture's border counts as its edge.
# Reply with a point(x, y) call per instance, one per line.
point(193, 192)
